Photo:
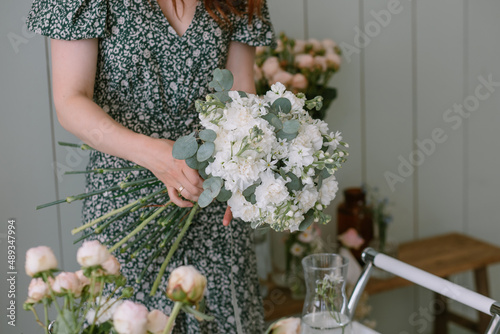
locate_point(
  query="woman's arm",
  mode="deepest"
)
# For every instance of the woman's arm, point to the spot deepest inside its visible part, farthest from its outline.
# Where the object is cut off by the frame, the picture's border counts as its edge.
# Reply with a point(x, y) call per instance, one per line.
point(73, 75)
point(240, 60)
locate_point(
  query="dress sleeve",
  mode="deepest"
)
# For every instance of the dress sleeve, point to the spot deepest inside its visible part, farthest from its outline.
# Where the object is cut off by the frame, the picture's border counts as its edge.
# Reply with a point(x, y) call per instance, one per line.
point(68, 19)
point(259, 33)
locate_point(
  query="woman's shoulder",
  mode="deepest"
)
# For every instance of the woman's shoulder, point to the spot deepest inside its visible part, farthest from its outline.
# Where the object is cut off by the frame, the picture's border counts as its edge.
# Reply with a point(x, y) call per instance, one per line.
point(69, 20)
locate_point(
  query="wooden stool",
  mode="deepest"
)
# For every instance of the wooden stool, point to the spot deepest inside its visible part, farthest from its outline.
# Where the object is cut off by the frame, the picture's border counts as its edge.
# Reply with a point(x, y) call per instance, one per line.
point(444, 256)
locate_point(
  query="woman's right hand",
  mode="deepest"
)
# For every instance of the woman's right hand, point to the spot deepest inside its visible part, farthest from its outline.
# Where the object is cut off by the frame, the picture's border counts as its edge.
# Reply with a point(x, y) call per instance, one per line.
point(178, 177)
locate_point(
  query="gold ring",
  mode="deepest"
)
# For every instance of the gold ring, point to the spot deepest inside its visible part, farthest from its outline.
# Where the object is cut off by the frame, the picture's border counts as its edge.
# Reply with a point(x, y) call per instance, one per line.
point(181, 188)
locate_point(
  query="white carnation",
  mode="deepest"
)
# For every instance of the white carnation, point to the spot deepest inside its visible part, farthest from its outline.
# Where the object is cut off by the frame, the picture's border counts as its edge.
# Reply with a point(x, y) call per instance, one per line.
point(271, 191)
point(328, 190)
point(307, 197)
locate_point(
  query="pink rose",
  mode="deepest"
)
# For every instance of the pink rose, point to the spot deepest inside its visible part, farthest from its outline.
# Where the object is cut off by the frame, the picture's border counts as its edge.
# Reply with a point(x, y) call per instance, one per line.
point(186, 284)
point(39, 259)
point(329, 44)
point(282, 76)
point(270, 67)
point(67, 281)
point(320, 62)
point(92, 253)
point(38, 290)
point(111, 266)
point(157, 321)
point(299, 47)
point(85, 281)
point(316, 45)
point(130, 318)
point(333, 61)
point(286, 326)
point(351, 239)
point(305, 61)
point(299, 82)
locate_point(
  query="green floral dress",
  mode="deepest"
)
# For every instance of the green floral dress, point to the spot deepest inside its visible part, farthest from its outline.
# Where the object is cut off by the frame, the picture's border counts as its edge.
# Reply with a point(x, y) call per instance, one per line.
point(148, 78)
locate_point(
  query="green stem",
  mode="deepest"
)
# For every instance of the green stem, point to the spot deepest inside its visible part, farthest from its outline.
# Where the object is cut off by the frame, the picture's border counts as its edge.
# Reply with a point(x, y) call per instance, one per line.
point(138, 228)
point(52, 295)
point(46, 313)
point(116, 211)
point(171, 319)
point(124, 184)
point(173, 249)
point(105, 170)
point(82, 146)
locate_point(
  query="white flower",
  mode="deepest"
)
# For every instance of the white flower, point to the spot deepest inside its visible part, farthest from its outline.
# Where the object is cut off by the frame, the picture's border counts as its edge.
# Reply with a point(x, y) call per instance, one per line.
point(130, 318)
point(92, 253)
point(157, 321)
point(328, 190)
point(106, 310)
point(39, 259)
point(272, 190)
point(307, 197)
point(297, 249)
point(242, 209)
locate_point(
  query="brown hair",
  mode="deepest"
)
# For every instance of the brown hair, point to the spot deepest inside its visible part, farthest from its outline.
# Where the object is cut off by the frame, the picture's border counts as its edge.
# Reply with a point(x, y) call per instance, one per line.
point(221, 9)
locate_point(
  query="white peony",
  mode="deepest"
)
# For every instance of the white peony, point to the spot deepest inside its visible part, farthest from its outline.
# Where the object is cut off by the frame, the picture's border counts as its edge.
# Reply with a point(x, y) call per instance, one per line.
point(92, 253)
point(157, 321)
point(39, 259)
point(130, 318)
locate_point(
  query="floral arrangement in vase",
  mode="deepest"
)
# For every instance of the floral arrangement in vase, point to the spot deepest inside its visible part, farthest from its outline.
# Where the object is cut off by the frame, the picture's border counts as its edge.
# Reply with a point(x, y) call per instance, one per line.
point(265, 156)
point(297, 246)
point(83, 309)
point(303, 66)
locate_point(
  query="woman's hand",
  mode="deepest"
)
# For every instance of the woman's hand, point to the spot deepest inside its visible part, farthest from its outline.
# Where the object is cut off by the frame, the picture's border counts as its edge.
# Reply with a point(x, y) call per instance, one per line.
point(228, 216)
point(178, 177)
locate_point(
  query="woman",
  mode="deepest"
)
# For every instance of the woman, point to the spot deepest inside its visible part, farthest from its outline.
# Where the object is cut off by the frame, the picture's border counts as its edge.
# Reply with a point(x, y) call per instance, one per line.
point(125, 77)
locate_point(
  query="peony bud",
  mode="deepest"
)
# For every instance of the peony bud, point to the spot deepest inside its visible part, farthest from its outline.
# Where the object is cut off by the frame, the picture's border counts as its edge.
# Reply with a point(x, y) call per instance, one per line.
point(304, 61)
point(282, 76)
point(351, 239)
point(111, 266)
point(130, 318)
point(85, 281)
point(157, 321)
point(39, 259)
point(186, 285)
point(92, 253)
point(37, 290)
point(299, 82)
point(286, 326)
point(67, 281)
point(270, 67)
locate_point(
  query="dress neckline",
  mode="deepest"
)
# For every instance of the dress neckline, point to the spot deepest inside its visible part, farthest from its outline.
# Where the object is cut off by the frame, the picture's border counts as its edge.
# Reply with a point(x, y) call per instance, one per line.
point(170, 28)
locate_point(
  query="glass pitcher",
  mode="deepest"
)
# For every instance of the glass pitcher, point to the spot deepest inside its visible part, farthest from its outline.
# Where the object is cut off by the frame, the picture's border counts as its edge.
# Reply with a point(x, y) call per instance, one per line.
point(325, 306)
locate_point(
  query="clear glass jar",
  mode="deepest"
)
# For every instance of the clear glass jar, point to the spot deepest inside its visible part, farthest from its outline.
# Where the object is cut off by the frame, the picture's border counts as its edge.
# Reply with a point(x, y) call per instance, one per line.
point(325, 305)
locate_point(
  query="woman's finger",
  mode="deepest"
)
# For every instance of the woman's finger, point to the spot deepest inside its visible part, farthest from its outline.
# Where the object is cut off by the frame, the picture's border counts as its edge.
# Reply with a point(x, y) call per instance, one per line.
point(228, 216)
point(193, 176)
point(174, 197)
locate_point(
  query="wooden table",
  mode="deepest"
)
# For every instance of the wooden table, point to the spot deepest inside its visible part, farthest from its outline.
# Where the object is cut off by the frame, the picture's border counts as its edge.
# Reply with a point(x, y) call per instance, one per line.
point(443, 256)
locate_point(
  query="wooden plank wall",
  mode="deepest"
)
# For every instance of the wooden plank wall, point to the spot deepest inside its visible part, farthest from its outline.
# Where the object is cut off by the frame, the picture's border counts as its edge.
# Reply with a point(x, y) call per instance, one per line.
point(398, 88)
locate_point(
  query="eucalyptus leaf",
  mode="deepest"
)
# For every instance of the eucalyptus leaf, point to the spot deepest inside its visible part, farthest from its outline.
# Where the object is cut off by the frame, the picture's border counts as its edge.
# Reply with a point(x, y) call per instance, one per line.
point(287, 136)
point(208, 135)
point(222, 80)
point(224, 195)
point(222, 96)
point(213, 185)
point(295, 183)
point(205, 151)
point(273, 120)
point(250, 190)
point(308, 220)
point(192, 162)
point(185, 147)
point(291, 126)
point(282, 104)
point(242, 94)
point(205, 199)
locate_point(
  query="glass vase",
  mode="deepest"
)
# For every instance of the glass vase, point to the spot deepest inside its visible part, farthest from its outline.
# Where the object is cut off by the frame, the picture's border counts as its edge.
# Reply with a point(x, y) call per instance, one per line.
point(325, 305)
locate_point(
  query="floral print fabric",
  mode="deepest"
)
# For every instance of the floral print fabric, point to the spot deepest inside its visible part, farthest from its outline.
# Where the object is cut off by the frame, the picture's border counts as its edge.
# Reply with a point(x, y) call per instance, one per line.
point(148, 78)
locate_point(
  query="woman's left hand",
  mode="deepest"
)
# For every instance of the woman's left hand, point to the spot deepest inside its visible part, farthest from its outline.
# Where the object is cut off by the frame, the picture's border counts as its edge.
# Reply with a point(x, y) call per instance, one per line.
point(227, 216)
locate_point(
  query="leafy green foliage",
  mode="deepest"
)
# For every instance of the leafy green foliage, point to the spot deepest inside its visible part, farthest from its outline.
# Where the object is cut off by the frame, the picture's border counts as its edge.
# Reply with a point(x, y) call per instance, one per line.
point(205, 151)
point(283, 105)
point(185, 147)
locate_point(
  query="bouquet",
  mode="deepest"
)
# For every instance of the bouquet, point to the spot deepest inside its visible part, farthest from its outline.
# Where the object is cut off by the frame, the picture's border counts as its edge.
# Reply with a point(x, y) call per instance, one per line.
point(265, 156)
point(302, 66)
point(85, 310)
